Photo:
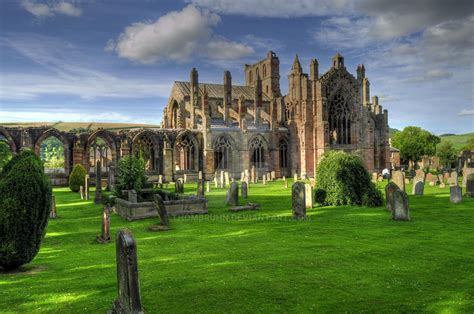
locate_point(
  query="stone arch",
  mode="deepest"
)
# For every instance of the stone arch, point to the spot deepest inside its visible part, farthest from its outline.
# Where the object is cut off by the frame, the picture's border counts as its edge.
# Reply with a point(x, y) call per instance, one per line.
point(4, 133)
point(146, 145)
point(341, 117)
point(284, 152)
point(62, 138)
point(186, 152)
point(258, 151)
point(175, 114)
point(222, 146)
point(108, 137)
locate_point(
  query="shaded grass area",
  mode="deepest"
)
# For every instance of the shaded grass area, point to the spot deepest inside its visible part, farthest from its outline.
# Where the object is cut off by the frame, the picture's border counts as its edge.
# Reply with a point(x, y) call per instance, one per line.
point(341, 259)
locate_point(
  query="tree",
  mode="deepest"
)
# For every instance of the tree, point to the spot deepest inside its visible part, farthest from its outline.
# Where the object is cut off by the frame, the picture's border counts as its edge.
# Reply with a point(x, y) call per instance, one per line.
point(446, 153)
point(414, 143)
point(130, 175)
point(469, 144)
point(5, 154)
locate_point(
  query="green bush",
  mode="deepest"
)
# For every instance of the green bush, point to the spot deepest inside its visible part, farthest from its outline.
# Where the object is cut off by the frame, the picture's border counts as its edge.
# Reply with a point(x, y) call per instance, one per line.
point(373, 197)
point(77, 177)
point(320, 196)
point(130, 175)
point(345, 179)
point(25, 204)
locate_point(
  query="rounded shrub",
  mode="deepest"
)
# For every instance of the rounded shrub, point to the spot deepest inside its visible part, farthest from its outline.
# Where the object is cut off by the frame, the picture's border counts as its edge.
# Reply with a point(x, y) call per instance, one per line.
point(320, 196)
point(77, 177)
point(25, 204)
point(373, 197)
point(345, 179)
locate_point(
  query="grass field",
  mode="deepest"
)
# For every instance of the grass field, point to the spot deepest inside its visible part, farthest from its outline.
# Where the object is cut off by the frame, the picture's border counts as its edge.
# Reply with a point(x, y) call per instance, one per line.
point(67, 126)
point(344, 259)
point(459, 141)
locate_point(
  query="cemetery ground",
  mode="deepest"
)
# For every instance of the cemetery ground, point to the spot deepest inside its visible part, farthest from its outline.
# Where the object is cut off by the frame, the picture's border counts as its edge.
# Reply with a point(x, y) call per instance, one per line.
point(340, 259)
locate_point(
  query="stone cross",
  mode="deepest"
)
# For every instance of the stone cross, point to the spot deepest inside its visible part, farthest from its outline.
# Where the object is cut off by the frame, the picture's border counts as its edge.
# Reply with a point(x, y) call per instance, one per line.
point(244, 189)
point(400, 209)
point(104, 236)
point(128, 283)
point(309, 197)
point(398, 179)
point(455, 194)
point(233, 195)
point(53, 214)
point(86, 187)
point(132, 196)
point(418, 186)
point(298, 200)
point(161, 208)
point(470, 185)
point(98, 183)
point(389, 189)
point(208, 187)
point(81, 192)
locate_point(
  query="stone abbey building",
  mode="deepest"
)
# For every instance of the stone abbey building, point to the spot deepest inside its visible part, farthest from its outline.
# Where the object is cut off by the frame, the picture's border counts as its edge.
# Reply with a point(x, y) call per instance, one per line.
point(256, 126)
point(224, 127)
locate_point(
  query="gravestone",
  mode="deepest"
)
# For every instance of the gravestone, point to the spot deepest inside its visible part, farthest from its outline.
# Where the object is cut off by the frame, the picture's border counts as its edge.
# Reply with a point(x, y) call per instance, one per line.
point(440, 179)
point(185, 178)
point(400, 209)
point(407, 181)
point(374, 177)
point(98, 183)
point(286, 183)
point(86, 187)
point(389, 189)
point(226, 177)
point(160, 180)
point(253, 174)
point(398, 179)
point(465, 173)
point(104, 236)
point(455, 194)
point(132, 196)
point(233, 195)
point(453, 179)
point(264, 179)
point(208, 186)
point(420, 173)
point(284, 178)
point(429, 177)
point(200, 188)
point(446, 176)
point(298, 200)
point(432, 183)
point(164, 221)
point(215, 183)
point(309, 196)
point(272, 175)
point(418, 186)
point(179, 186)
point(269, 177)
point(295, 177)
point(244, 189)
point(111, 177)
point(81, 192)
point(53, 214)
point(221, 183)
point(442, 185)
point(470, 185)
point(380, 179)
point(128, 283)
point(200, 175)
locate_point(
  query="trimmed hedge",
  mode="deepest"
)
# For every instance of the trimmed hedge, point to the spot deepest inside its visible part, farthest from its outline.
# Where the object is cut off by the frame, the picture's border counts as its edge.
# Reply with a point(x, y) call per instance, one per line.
point(346, 181)
point(25, 204)
point(77, 177)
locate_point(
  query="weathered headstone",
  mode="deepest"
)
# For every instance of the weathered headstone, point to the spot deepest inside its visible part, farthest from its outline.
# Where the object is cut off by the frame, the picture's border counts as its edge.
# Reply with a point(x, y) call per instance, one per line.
point(309, 196)
point(465, 173)
point(200, 187)
point(98, 183)
point(221, 182)
point(111, 177)
point(81, 192)
point(104, 236)
point(53, 214)
point(272, 175)
point(215, 183)
point(295, 177)
point(208, 186)
point(389, 189)
point(200, 175)
point(164, 221)
point(298, 200)
point(86, 187)
point(398, 179)
point(264, 179)
point(233, 195)
point(226, 177)
point(440, 179)
point(185, 178)
point(453, 179)
point(400, 209)
point(455, 194)
point(132, 196)
point(244, 189)
point(128, 283)
point(418, 186)
point(253, 174)
point(179, 186)
point(470, 185)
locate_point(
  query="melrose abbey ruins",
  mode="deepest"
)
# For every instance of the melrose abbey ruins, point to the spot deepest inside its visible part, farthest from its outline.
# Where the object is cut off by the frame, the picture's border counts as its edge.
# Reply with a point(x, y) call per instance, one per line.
point(215, 127)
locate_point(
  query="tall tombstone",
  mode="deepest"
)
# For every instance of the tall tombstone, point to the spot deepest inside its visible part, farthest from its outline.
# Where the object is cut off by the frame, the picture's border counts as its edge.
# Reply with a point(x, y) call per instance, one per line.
point(200, 175)
point(233, 195)
point(160, 180)
point(286, 183)
point(398, 179)
point(53, 214)
point(246, 176)
point(453, 179)
point(272, 175)
point(161, 208)
point(244, 189)
point(98, 183)
point(200, 187)
point(295, 177)
point(81, 192)
point(132, 196)
point(455, 194)
point(298, 200)
point(179, 186)
point(222, 180)
point(104, 236)
point(264, 179)
point(128, 282)
point(215, 182)
point(470, 185)
point(111, 177)
point(465, 174)
point(253, 174)
point(185, 178)
point(389, 189)
point(418, 186)
point(226, 177)
point(208, 186)
point(309, 196)
point(86, 187)
point(400, 209)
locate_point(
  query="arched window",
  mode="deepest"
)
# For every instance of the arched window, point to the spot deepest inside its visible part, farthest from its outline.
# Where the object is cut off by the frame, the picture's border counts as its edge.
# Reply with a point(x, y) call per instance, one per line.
point(283, 148)
point(250, 77)
point(340, 120)
point(99, 151)
point(222, 153)
point(175, 113)
point(145, 149)
point(186, 152)
point(256, 151)
point(52, 154)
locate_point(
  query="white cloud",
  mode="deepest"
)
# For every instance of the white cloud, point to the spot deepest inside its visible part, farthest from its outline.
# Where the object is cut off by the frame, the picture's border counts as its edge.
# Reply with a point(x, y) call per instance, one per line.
point(276, 8)
point(466, 112)
point(178, 36)
point(41, 10)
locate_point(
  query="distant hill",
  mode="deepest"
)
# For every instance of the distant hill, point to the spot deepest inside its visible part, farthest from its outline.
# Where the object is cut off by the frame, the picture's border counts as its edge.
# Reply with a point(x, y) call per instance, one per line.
point(67, 126)
point(458, 140)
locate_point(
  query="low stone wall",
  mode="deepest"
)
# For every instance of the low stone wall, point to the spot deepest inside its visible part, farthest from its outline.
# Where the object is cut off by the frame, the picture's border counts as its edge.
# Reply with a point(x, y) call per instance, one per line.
point(188, 205)
point(58, 179)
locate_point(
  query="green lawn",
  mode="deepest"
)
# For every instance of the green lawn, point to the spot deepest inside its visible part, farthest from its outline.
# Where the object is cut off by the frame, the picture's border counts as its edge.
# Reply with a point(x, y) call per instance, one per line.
point(344, 259)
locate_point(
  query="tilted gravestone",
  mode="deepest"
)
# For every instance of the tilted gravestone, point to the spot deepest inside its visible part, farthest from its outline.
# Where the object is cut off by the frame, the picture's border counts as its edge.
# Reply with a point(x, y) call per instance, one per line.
point(398, 179)
point(244, 188)
point(164, 221)
point(309, 195)
point(53, 214)
point(98, 183)
point(233, 194)
point(389, 189)
point(455, 194)
point(470, 185)
point(104, 236)
point(400, 209)
point(298, 200)
point(128, 282)
point(179, 186)
point(418, 186)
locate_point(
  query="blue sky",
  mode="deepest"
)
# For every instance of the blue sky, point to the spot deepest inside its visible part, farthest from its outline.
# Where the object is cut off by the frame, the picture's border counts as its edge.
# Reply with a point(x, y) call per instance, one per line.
point(115, 61)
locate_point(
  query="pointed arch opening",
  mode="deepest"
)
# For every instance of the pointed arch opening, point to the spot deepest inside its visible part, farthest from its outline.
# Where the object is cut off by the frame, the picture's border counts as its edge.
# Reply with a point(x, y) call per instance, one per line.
point(340, 117)
point(222, 153)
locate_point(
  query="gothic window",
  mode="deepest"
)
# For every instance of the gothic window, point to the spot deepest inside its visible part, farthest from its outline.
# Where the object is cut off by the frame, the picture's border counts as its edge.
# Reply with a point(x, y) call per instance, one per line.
point(256, 150)
point(186, 153)
point(250, 77)
point(144, 148)
point(283, 148)
point(175, 113)
point(340, 120)
point(222, 153)
point(99, 151)
point(264, 70)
